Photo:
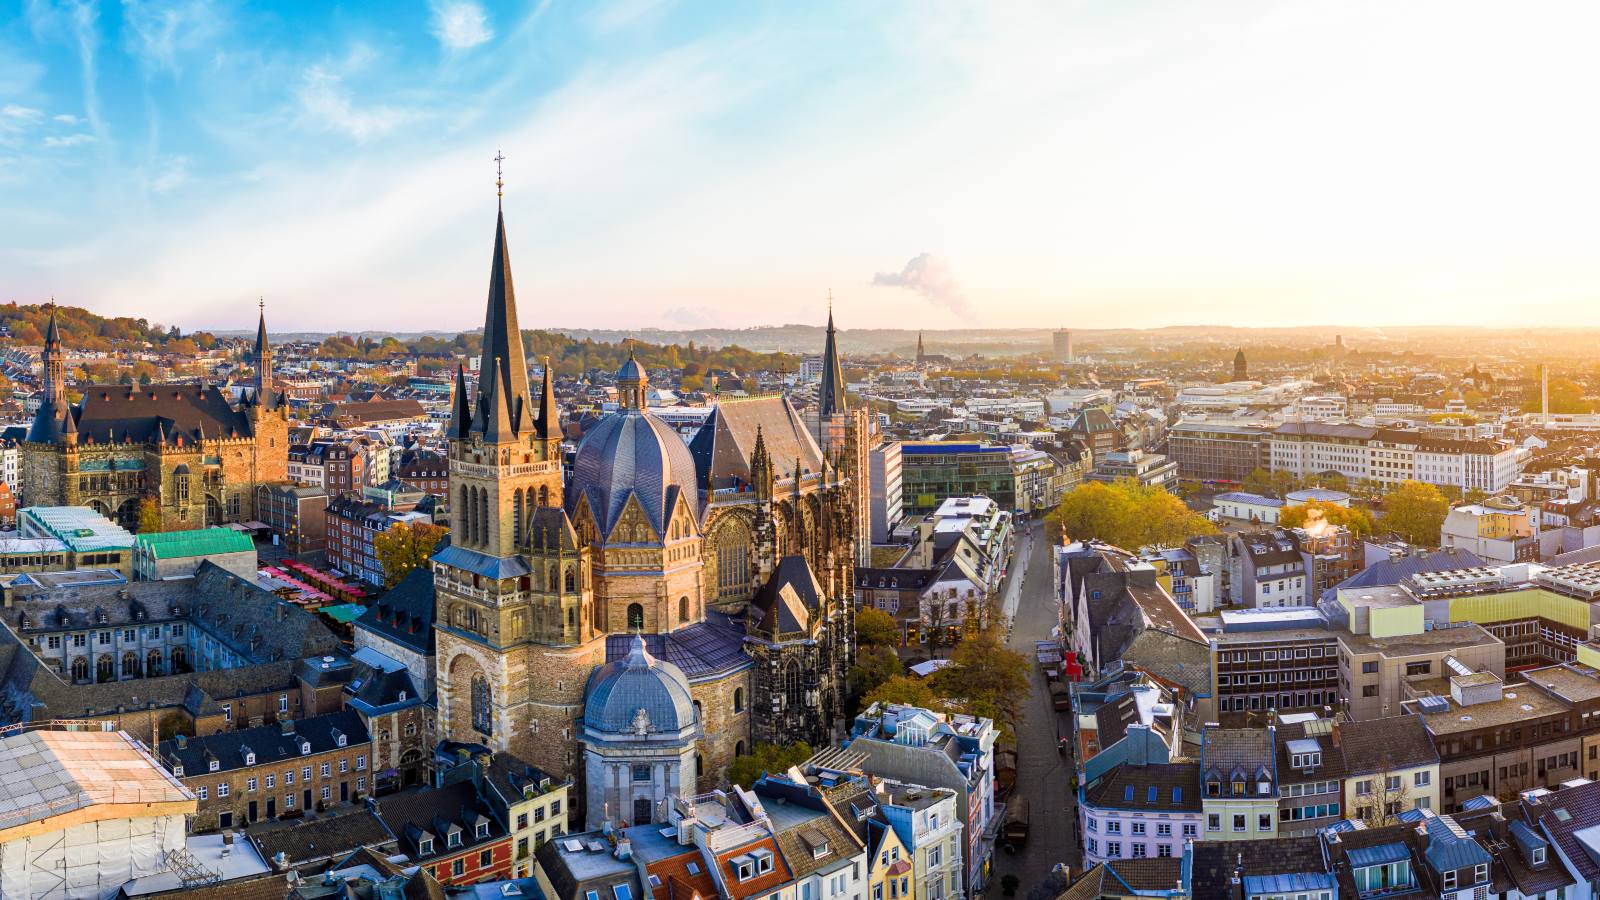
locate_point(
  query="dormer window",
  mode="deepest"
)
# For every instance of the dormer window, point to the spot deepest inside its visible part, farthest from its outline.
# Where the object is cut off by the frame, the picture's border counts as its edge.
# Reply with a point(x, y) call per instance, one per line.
point(1538, 853)
point(213, 766)
point(1213, 788)
point(305, 748)
point(1480, 873)
point(249, 759)
point(455, 839)
point(820, 850)
point(763, 859)
point(1238, 788)
point(483, 829)
point(425, 846)
point(340, 741)
point(402, 695)
point(177, 771)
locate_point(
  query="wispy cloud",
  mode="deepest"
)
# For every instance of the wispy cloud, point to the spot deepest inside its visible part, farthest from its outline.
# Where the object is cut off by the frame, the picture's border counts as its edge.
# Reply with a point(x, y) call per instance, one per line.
point(20, 113)
point(459, 24)
point(173, 175)
point(160, 32)
point(75, 22)
point(68, 140)
point(929, 276)
point(620, 14)
point(328, 104)
point(66, 119)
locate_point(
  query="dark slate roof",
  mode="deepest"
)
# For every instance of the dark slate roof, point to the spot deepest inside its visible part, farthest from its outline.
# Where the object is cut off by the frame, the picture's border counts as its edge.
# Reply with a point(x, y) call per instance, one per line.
point(1358, 848)
point(1389, 572)
point(269, 743)
point(1449, 846)
point(551, 529)
point(308, 840)
point(723, 446)
point(788, 603)
point(633, 454)
point(497, 567)
point(1562, 814)
point(113, 414)
point(504, 364)
point(1167, 787)
point(1215, 862)
point(413, 813)
point(620, 689)
point(1395, 742)
point(1226, 751)
point(404, 614)
point(894, 578)
point(707, 649)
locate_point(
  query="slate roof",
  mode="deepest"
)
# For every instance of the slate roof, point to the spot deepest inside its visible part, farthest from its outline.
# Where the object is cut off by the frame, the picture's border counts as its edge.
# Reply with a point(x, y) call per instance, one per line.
point(1395, 742)
point(1215, 862)
point(723, 446)
point(706, 649)
point(1225, 751)
point(1369, 846)
point(404, 614)
point(414, 813)
point(1390, 572)
point(787, 605)
point(618, 690)
point(1562, 814)
point(146, 414)
point(269, 743)
point(309, 839)
point(632, 453)
point(1127, 787)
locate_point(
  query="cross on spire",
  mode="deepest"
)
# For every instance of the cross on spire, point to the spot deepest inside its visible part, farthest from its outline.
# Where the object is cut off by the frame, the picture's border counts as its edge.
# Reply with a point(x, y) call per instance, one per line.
point(499, 174)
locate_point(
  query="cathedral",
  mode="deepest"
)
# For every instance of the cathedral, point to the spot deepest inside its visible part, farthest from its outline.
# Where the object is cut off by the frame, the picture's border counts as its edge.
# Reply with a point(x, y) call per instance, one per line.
point(200, 454)
point(640, 624)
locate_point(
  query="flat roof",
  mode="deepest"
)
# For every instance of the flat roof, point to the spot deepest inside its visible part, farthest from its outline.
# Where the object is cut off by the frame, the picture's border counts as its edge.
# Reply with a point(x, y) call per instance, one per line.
point(1514, 706)
point(1571, 681)
point(1464, 634)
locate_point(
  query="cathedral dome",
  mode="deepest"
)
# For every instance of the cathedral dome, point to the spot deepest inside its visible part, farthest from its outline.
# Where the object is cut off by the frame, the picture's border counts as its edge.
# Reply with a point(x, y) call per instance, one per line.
point(633, 453)
point(638, 695)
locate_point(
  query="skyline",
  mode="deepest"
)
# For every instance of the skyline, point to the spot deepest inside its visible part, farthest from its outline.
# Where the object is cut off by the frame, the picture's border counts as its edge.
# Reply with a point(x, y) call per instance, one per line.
point(1018, 167)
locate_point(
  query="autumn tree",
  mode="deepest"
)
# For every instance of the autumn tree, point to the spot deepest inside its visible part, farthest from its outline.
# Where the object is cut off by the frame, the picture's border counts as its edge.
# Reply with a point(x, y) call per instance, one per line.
point(986, 678)
point(747, 770)
point(1357, 521)
point(1415, 511)
point(874, 665)
point(1381, 798)
point(876, 628)
point(147, 519)
point(1126, 514)
point(404, 547)
point(902, 689)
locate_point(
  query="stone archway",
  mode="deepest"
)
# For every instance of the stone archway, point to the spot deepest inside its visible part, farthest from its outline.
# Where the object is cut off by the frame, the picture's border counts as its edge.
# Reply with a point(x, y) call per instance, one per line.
point(467, 701)
point(127, 514)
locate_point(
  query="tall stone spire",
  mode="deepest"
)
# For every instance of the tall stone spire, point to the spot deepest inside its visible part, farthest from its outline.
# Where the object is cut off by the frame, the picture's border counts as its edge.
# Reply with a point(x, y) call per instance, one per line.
point(830, 394)
point(263, 358)
point(502, 344)
point(549, 424)
point(55, 368)
point(460, 413)
point(921, 354)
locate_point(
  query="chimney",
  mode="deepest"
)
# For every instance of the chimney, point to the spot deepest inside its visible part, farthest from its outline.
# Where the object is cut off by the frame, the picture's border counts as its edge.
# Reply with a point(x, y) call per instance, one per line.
point(280, 860)
point(1336, 734)
point(1236, 883)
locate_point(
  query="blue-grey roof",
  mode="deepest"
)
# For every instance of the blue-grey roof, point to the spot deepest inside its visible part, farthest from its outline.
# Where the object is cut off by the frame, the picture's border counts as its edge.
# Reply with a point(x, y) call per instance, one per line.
point(482, 563)
point(1528, 839)
point(1389, 572)
point(1361, 857)
point(1450, 847)
point(1482, 801)
point(710, 648)
point(632, 453)
point(1255, 885)
point(620, 689)
point(1253, 499)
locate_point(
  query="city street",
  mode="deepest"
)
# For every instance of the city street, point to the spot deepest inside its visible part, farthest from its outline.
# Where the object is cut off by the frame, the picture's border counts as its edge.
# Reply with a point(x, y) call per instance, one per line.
point(1043, 775)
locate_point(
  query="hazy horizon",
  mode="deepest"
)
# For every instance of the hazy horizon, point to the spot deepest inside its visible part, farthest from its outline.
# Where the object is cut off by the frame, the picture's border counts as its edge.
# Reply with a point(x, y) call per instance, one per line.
point(677, 166)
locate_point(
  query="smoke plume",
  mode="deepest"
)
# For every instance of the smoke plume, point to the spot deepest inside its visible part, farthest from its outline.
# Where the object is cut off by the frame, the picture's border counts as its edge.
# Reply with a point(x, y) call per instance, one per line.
point(931, 277)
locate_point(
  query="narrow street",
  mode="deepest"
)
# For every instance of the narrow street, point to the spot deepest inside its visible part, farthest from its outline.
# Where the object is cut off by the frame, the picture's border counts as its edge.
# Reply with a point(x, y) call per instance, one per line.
point(1042, 774)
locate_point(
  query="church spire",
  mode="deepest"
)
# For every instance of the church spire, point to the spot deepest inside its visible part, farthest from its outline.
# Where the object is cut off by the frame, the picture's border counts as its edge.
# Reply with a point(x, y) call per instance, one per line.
point(460, 415)
point(498, 423)
point(263, 357)
point(549, 424)
point(830, 394)
point(502, 342)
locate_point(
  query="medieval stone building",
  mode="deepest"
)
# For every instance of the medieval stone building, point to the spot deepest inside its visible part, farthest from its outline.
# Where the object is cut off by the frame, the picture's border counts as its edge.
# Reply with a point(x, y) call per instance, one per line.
point(647, 560)
point(200, 454)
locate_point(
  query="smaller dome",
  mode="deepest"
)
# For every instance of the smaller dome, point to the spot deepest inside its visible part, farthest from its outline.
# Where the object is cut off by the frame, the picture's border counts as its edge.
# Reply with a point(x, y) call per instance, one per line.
point(631, 370)
point(638, 696)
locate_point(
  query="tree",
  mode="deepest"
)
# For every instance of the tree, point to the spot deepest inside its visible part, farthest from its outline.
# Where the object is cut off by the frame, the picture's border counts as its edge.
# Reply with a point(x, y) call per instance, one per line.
point(902, 689)
point(874, 665)
point(1384, 800)
point(1306, 515)
point(1259, 481)
point(986, 678)
point(1415, 511)
point(747, 770)
point(876, 628)
point(1127, 514)
point(1052, 887)
point(148, 517)
point(404, 547)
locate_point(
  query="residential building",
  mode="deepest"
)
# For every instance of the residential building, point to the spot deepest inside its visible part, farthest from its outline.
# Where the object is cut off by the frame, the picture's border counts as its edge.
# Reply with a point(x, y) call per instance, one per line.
point(1311, 773)
point(927, 824)
point(426, 470)
point(531, 804)
point(1139, 810)
point(1390, 766)
point(450, 831)
point(1272, 570)
point(1238, 771)
point(1258, 869)
point(354, 524)
point(1500, 530)
point(888, 504)
point(284, 769)
point(297, 516)
point(1375, 672)
point(1093, 428)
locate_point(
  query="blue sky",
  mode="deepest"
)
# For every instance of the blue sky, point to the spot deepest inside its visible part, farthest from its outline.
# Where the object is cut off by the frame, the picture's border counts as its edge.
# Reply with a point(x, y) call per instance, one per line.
point(682, 164)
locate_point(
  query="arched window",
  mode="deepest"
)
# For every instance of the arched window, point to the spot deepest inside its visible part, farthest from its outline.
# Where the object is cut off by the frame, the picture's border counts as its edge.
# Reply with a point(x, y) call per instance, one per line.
point(80, 669)
point(152, 665)
point(180, 660)
point(683, 610)
point(130, 665)
point(738, 749)
point(544, 496)
point(738, 704)
point(105, 669)
point(555, 580)
point(469, 508)
point(482, 716)
point(635, 617)
point(572, 580)
point(483, 515)
point(516, 518)
point(697, 716)
point(699, 766)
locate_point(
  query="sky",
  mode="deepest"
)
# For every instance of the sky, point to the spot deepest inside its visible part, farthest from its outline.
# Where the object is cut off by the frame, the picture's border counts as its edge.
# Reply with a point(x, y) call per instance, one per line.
point(677, 164)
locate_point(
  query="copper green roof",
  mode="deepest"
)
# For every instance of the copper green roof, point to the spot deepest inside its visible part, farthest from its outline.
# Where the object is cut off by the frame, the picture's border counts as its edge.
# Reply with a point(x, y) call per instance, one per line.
point(344, 612)
point(197, 542)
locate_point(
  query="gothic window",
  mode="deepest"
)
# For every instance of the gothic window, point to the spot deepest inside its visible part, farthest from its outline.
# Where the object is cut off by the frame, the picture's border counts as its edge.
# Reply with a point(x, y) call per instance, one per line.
point(683, 610)
point(152, 665)
point(516, 519)
point(738, 703)
point(80, 669)
point(180, 659)
point(555, 584)
point(572, 579)
point(465, 516)
point(482, 716)
point(483, 515)
point(105, 669)
point(544, 496)
point(635, 617)
point(130, 664)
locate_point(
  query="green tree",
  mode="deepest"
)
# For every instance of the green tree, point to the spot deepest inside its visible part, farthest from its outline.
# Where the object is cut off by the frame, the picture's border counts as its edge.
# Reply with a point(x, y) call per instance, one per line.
point(1415, 511)
point(874, 665)
point(148, 518)
point(1358, 521)
point(902, 689)
point(747, 770)
point(1127, 514)
point(1259, 481)
point(404, 547)
point(986, 678)
point(876, 628)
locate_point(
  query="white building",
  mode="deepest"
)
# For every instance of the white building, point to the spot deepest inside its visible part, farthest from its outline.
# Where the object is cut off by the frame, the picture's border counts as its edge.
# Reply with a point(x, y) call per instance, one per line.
point(86, 812)
point(888, 504)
